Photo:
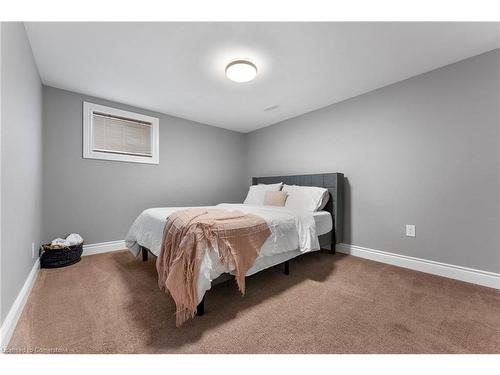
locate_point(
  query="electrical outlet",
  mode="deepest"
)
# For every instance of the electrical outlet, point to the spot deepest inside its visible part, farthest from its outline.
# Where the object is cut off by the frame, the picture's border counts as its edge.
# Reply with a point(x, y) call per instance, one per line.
point(32, 250)
point(410, 230)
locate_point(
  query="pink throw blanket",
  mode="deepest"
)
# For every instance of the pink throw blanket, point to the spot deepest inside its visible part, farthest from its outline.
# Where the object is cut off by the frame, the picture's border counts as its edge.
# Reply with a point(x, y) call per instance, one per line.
point(238, 238)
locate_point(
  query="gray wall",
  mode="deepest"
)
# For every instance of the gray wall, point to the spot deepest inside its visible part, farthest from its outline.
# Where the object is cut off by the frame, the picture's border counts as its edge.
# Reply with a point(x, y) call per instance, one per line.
point(199, 165)
point(424, 151)
point(21, 166)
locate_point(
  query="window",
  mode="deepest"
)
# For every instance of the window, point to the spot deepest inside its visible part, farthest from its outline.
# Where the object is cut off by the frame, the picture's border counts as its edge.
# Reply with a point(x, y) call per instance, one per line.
point(113, 134)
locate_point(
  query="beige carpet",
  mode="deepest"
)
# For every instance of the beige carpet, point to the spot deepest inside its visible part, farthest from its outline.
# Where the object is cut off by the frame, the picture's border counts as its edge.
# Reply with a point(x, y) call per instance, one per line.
point(110, 303)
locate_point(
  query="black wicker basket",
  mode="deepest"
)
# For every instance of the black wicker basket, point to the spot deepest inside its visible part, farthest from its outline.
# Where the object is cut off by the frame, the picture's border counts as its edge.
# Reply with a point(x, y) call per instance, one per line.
point(55, 258)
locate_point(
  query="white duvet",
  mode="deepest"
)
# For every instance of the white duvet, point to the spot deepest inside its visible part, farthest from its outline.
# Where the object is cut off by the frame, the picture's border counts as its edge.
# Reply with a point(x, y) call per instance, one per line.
point(291, 231)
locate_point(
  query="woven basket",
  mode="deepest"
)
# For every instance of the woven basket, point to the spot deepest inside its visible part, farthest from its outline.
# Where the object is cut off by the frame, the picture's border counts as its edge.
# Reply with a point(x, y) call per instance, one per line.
point(55, 258)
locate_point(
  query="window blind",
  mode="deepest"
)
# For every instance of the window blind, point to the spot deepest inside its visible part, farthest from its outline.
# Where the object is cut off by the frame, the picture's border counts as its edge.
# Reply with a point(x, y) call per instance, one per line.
point(121, 135)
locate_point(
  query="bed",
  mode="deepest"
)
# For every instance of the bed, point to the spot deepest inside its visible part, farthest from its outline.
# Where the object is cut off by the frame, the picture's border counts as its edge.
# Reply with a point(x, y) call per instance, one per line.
point(293, 233)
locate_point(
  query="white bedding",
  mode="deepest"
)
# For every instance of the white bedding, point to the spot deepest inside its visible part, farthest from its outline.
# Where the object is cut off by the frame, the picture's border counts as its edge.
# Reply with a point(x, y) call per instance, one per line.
point(292, 233)
point(324, 222)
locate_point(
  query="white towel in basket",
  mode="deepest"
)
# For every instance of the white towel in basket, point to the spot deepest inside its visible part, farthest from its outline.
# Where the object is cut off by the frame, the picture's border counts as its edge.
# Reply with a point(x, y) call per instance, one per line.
point(71, 240)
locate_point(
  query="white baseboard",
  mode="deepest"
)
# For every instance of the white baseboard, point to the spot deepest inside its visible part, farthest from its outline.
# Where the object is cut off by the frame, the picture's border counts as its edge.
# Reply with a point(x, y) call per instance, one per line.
point(103, 247)
point(470, 275)
point(10, 322)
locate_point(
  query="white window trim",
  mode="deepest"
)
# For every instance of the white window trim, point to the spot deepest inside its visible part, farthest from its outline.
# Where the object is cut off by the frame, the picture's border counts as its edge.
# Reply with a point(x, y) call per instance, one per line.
point(89, 153)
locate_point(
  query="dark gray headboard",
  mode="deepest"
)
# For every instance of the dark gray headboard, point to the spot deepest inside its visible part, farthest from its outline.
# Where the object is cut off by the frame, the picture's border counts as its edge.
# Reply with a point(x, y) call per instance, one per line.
point(334, 182)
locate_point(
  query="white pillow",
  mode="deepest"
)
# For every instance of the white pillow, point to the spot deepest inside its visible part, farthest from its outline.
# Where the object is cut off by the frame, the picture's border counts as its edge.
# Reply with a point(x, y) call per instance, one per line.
point(326, 198)
point(305, 198)
point(256, 193)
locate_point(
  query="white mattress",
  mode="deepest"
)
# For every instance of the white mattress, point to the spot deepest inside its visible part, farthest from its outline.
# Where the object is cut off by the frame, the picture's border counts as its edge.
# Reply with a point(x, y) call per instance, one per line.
point(324, 222)
point(292, 234)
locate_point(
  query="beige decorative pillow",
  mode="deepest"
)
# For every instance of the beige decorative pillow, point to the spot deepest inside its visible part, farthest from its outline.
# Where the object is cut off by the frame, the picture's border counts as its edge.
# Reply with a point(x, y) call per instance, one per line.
point(275, 198)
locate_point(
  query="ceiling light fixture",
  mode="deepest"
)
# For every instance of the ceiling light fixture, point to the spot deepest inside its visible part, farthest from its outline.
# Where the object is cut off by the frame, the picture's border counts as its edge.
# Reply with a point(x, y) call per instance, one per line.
point(241, 71)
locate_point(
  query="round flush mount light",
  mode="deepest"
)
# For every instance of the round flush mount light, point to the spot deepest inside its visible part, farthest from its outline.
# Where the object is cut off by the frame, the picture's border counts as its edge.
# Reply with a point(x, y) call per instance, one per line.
point(241, 71)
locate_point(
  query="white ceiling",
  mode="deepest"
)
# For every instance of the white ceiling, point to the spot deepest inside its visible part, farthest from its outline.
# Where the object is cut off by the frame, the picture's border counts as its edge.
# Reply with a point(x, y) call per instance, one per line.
point(178, 68)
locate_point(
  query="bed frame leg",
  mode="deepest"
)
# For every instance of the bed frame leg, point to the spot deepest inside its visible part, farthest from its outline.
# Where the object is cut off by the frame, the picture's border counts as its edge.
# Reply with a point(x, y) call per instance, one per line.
point(200, 309)
point(144, 254)
point(287, 268)
point(332, 248)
